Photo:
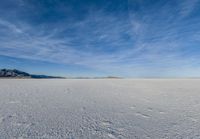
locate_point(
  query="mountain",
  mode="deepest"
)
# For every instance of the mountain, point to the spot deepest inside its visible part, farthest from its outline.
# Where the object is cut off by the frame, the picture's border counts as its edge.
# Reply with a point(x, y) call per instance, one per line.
point(13, 73)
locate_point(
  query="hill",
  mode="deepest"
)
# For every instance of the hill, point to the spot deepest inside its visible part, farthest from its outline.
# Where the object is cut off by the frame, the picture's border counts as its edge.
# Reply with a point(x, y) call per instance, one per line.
point(14, 73)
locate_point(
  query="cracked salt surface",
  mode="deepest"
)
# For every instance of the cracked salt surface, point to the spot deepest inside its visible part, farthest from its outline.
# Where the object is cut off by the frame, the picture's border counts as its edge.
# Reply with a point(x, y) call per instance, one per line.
point(102, 108)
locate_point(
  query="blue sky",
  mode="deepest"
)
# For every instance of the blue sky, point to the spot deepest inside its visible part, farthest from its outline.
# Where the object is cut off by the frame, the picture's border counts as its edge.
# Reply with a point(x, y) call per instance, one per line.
point(130, 38)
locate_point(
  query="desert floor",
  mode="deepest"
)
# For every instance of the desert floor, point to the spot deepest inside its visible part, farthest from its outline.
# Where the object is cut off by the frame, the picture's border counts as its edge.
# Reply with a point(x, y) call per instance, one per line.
point(99, 108)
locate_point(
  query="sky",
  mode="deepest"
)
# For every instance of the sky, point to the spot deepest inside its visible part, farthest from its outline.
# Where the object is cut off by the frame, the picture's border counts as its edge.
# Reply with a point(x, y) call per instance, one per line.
point(126, 38)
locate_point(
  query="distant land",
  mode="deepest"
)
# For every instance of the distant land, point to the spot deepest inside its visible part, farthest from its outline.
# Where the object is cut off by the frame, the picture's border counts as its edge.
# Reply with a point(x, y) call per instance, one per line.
point(14, 73)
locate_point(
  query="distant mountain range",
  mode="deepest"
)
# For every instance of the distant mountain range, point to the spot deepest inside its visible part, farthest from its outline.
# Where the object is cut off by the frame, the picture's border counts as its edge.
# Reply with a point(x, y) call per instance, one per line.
point(13, 73)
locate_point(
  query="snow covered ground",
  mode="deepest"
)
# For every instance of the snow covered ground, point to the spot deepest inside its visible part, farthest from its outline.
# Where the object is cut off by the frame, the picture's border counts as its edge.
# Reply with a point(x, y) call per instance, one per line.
point(98, 109)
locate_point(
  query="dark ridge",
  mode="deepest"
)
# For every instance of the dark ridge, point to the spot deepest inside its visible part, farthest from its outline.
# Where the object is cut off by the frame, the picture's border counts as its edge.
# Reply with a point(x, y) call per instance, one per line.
point(13, 73)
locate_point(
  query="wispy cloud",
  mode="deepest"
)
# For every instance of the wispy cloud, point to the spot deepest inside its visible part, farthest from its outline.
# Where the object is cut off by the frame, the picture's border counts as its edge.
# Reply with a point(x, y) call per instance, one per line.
point(136, 42)
point(188, 6)
point(10, 26)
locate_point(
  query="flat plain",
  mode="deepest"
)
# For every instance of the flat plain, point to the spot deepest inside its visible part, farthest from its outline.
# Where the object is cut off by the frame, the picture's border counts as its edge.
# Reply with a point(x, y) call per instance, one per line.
point(100, 109)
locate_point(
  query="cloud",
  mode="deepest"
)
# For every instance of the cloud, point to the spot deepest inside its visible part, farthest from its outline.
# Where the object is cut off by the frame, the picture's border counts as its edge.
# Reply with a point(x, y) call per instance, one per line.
point(188, 6)
point(10, 26)
point(136, 42)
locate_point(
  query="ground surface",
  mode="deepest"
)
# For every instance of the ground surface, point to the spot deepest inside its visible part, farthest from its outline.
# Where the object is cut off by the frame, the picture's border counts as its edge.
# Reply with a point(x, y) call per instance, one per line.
point(94, 109)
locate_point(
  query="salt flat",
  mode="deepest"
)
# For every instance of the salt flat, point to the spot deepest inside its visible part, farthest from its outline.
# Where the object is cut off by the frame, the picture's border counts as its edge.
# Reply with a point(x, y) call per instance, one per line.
point(101, 108)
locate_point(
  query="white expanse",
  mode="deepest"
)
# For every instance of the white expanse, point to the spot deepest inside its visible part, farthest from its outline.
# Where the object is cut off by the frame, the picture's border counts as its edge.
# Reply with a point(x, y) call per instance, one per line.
point(100, 109)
